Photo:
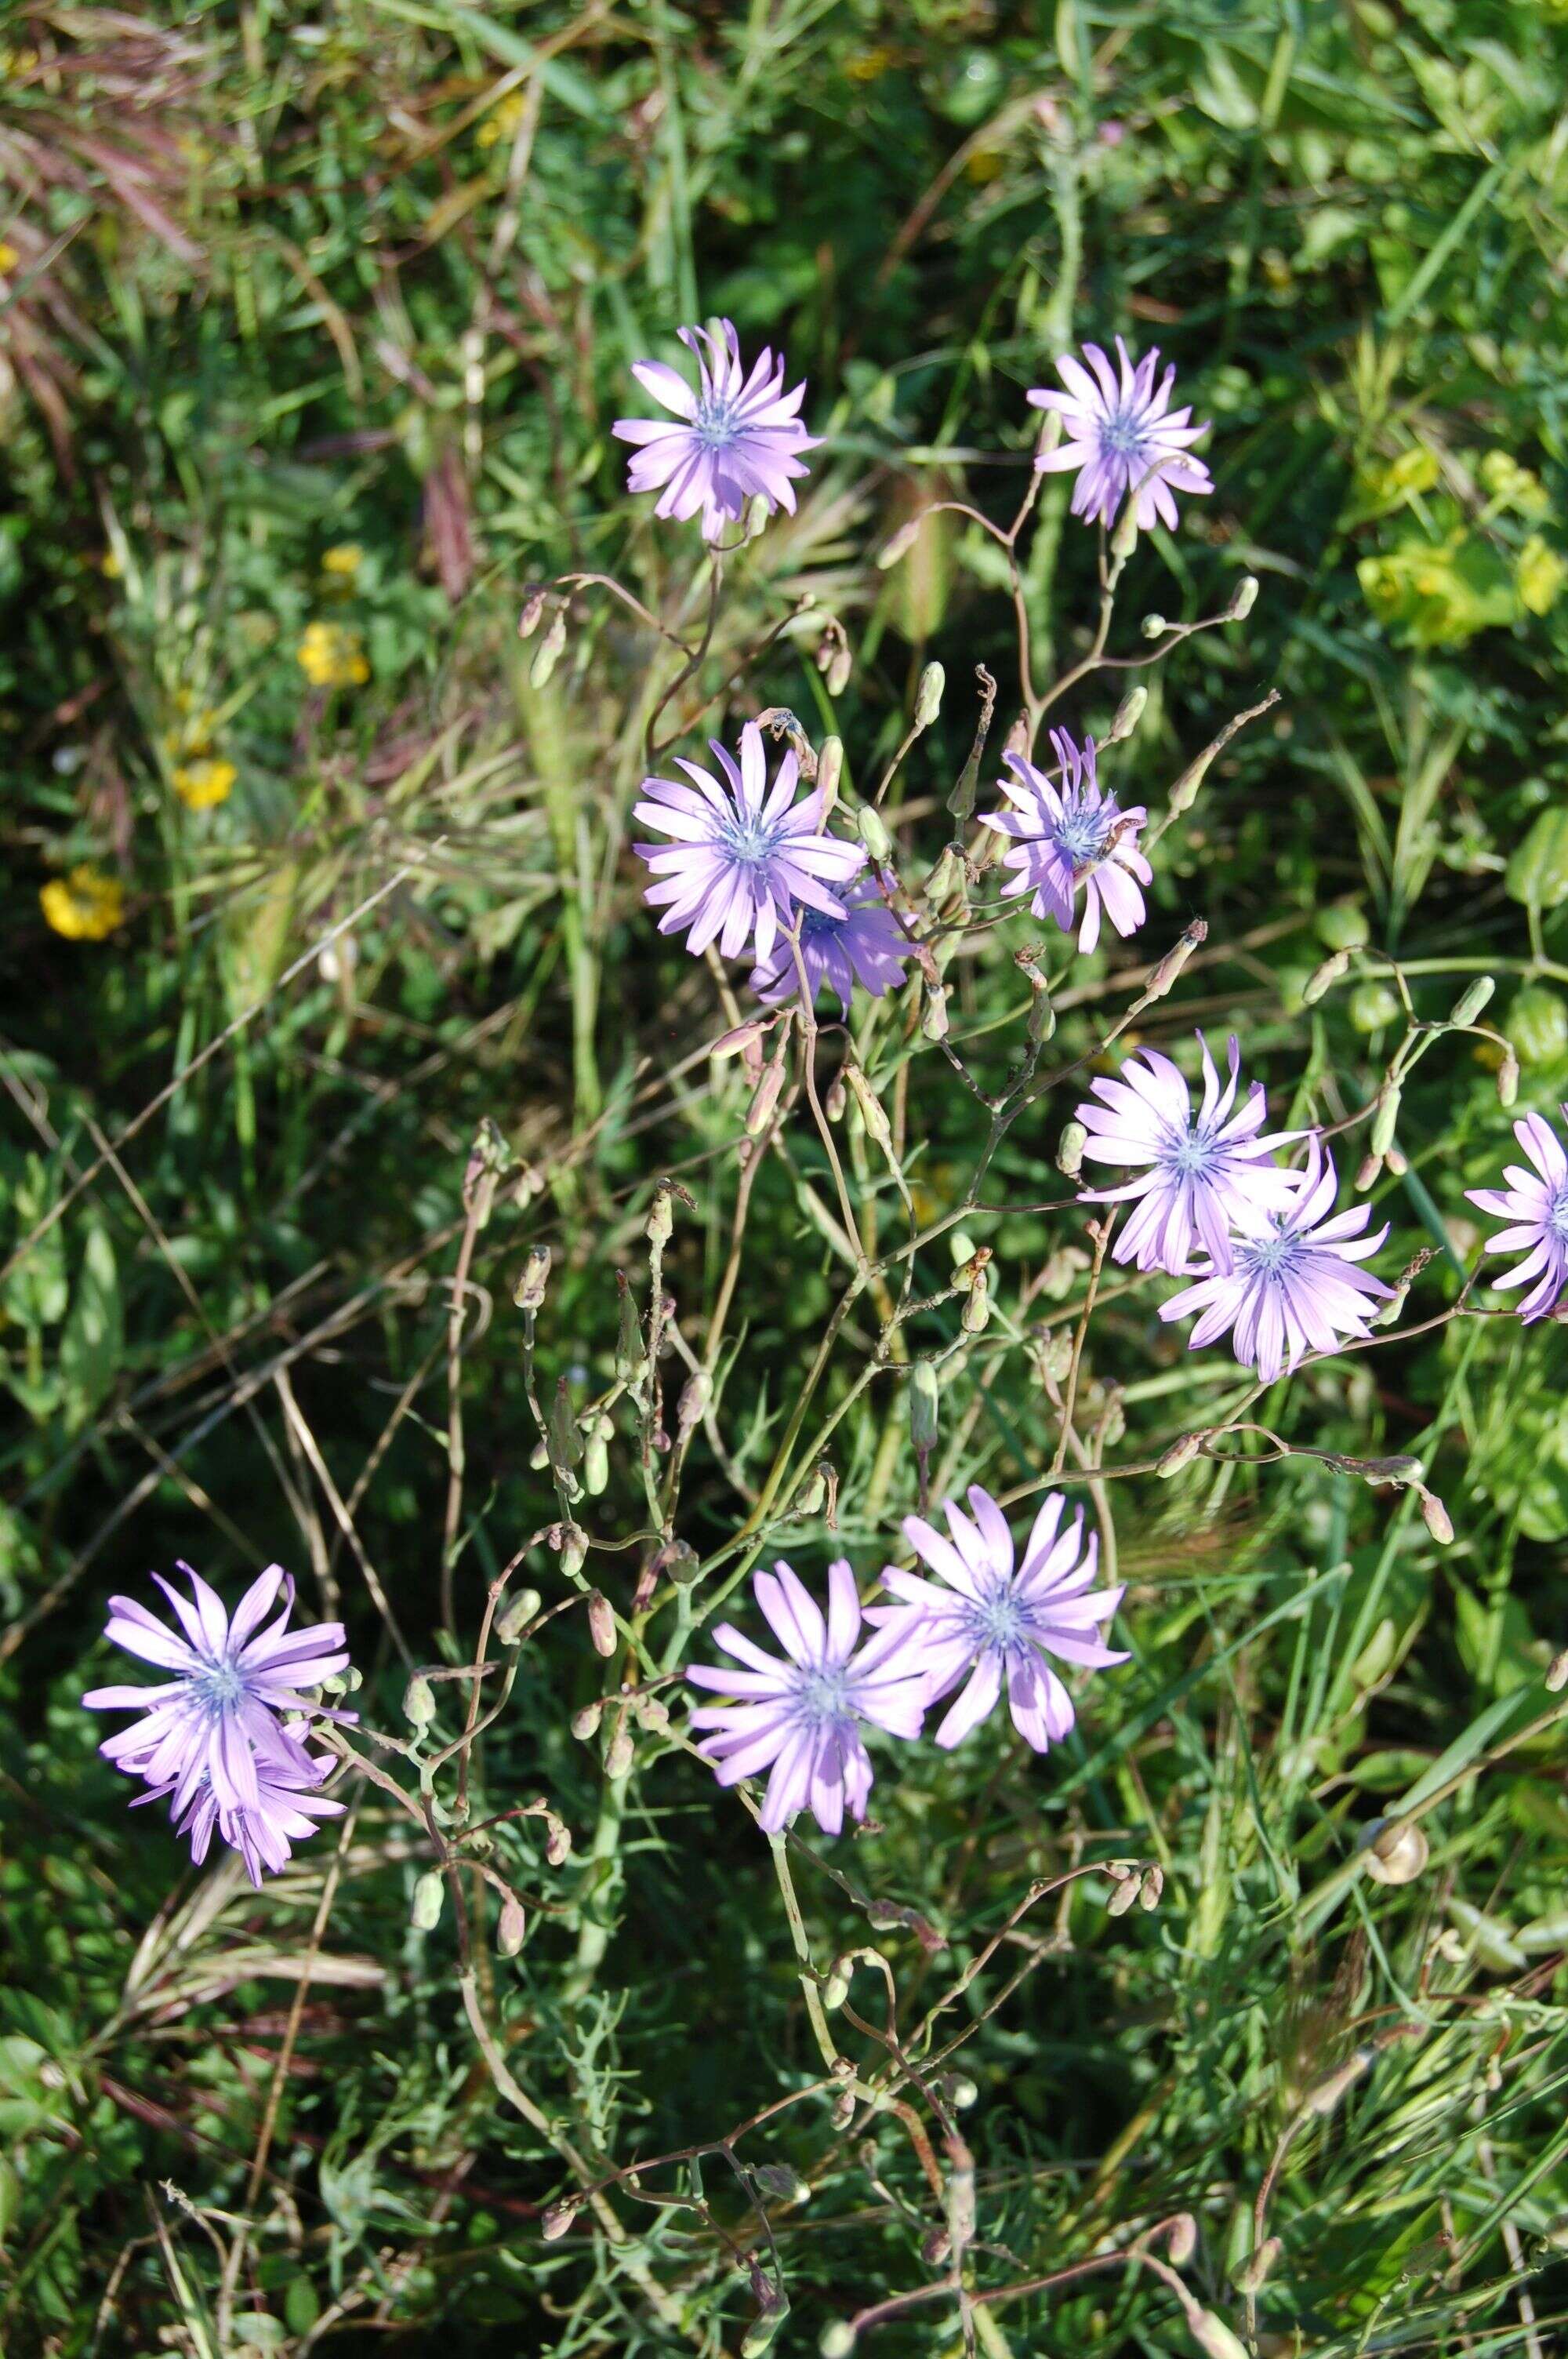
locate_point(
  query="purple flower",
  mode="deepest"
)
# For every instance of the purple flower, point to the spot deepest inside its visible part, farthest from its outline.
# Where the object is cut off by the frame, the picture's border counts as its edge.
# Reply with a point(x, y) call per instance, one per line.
point(1076, 835)
point(213, 1734)
point(742, 857)
point(1293, 1285)
point(736, 437)
point(804, 1715)
point(285, 1812)
point(1203, 1170)
point(996, 1618)
point(1535, 1203)
point(864, 946)
point(1122, 437)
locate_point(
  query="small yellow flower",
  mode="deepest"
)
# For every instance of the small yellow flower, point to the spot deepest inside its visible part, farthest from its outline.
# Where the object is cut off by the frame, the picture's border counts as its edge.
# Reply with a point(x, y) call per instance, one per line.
point(9, 257)
point(110, 566)
point(85, 906)
point(345, 556)
point(332, 657)
point(201, 784)
point(870, 66)
point(502, 120)
point(984, 165)
point(1539, 576)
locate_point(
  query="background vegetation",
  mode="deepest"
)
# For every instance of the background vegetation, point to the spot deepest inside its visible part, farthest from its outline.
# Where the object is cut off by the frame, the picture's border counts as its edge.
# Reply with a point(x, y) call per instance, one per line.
point(312, 326)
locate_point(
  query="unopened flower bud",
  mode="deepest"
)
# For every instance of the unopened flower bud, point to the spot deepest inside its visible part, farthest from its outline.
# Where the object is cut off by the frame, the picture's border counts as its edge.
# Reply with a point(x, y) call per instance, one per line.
point(653, 1713)
point(1183, 2240)
point(1469, 1003)
point(533, 614)
point(419, 1702)
point(429, 1890)
point(837, 2340)
point(1070, 1150)
point(960, 2091)
point(837, 1100)
point(757, 514)
point(934, 1015)
point(661, 1218)
point(1434, 1516)
point(539, 1456)
point(1128, 713)
point(839, 665)
point(584, 1721)
point(765, 1096)
point(1154, 626)
point(1399, 1853)
point(781, 2180)
point(935, 2247)
point(515, 1616)
point(1366, 1172)
point(557, 2220)
point(510, 1930)
point(1175, 959)
point(696, 1395)
point(841, 2113)
point(1213, 2337)
point(975, 1317)
point(1181, 1453)
point(601, 1623)
point(1508, 1079)
point(1398, 1162)
point(928, 695)
point(1253, 2272)
point(596, 1456)
point(836, 1989)
point(1557, 1674)
point(618, 1758)
point(1322, 978)
point(1124, 1897)
point(1325, 2098)
point(870, 1107)
point(631, 1358)
point(1124, 540)
point(529, 1291)
point(902, 541)
point(830, 770)
point(1243, 598)
point(547, 654)
point(1385, 1119)
point(1152, 1890)
point(573, 1549)
point(566, 1434)
point(682, 1563)
point(872, 829)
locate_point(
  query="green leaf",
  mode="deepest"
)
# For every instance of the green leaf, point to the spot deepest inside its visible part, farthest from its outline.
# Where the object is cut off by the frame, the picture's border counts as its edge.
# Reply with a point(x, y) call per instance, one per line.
point(91, 1343)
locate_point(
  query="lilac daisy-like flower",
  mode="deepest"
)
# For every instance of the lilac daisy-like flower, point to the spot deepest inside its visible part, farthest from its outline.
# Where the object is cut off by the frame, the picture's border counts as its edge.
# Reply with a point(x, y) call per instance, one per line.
point(1205, 1169)
point(1293, 1285)
point(1123, 437)
point(992, 1618)
point(865, 946)
point(1535, 1205)
point(214, 1726)
point(1076, 834)
point(742, 857)
point(734, 437)
point(286, 1810)
point(804, 1715)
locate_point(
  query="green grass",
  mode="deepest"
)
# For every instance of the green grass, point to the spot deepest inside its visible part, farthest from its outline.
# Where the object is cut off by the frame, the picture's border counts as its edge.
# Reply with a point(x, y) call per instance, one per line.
point(390, 1014)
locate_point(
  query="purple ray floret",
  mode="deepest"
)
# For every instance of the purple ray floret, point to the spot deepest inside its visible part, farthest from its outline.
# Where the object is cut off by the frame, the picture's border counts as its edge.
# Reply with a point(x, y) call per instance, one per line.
point(1072, 835)
point(1535, 1206)
point(989, 1618)
point(212, 1735)
point(802, 1716)
point(865, 946)
point(1292, 1286)
point(735, 438)
point(286, 1810)
point(1121, 434)
point(743, 858)
point(1205, 1169)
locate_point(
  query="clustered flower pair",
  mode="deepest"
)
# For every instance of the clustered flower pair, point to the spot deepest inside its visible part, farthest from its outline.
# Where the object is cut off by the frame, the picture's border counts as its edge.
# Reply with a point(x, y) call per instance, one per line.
point(222, 1738)
point(986, 1619)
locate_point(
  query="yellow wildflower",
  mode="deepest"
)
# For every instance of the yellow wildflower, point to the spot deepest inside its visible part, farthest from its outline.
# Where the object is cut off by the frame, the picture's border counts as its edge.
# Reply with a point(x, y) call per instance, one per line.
point(85, 906)
point(1539, 575)
point(344, 556)
point(332, 657)
point(201, 784)
point(500, 121)
point(9, 257)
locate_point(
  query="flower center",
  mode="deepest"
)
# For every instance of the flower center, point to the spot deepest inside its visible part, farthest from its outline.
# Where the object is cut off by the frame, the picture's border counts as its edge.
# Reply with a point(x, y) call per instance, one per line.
point(749, 841)
point(815, 923)
point(714, 424)
point(1122, 434)
point(218, 1687)
point(1270, 1256)
point(1557, 1216)
point(999, 1621)
point(822, 1695)
point(1082, 834)
point(1188, 1154)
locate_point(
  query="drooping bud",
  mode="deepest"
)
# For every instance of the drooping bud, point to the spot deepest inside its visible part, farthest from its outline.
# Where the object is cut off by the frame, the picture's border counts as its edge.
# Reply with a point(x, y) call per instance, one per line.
point(1154, 626)
point(836, 1989)
point(934, 1015)
point(682, 1563)
point(840, 663)
point(1175, 959)
point(618, 1758)
point(585, 1721)
point(1124, 1897)
point(529, 1291)
point(1325, 2098)
point(928, 695)
point(558, 1840)
point(1253, 2272)
point(837, 2340)
point(1181, 1453)
point(757, 514)
point(573, 1549)
point(1367, 1172)
point(511, 1928)
point(1128, 713)
point(830, 770)
point(419, 1702)
point(1398, 1853)
point(1385, 1119)
point(601, 1623)
point(557, 2220)
point(1243, 598)
point(1322, 978)
point(515, 1616)
point(835, 1104)
point(960, 2091)
point(1557, 1674)
point(597, 1434)
point(1182, 2242)
point(1124, 540)
point(697, 1396)
point(1070, 1149)
point(1469, 1003)
point(631, 1358)
point(429, 1891)
point(1154, 1888)
point(975, 1317)
point(1213, 2337)
point(765, 1098)
point(925, 1397)
point(784, 2183)
point(533, 614)
point(547, 654)
point(1434, 1516)
point(871, 828)
point(869, 1106)
point(902, 541)
point(1508, 1079)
